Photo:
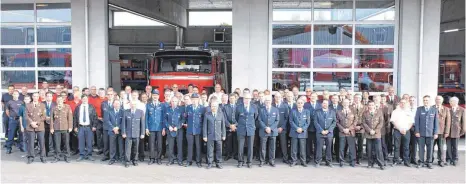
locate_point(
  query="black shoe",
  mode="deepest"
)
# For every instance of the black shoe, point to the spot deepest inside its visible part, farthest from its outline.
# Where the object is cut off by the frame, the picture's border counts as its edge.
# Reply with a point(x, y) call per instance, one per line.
point(209, 166)
point(126, 164)
point(111, 162)
point(317, 165)
point(170, 163)
point(151, 161)
point(441, 164)
point(329, 164)
point(358, 163)
point(272, 164)
point(219, 166)
point(105, 159)
point(292, 164)
point(188, 164)
point(67, 160)
point(80, 159)
point(352, 165)
point(22, 150)
point(453, 163)
point(407, 164)
point(55, 160)
point(199, 165)
point(261, 164)
point(159, 162)
point(382, 168)
point(227, 158)
point(249, 165)
point(429, 166)
point(8, 151)
point(304, 164)
point(75, 153)
point(418, 166)
point(43, 160)
point(141, 159)
point(239, 165)
point(30, 160)
point(90, 158)
point(135, 163)
point(286, 162)
point(100, 152)
point(180, 163)
point(341, 164)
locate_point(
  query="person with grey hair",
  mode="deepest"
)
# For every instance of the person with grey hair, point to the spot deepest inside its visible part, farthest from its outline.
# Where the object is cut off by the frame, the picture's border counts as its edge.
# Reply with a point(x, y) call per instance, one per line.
point(268, 130)
point(299, 123)
point(444, 118)
point(214, 132)
point(246, 116)
point(173, 118)
point(458, 128)
point(282, 125)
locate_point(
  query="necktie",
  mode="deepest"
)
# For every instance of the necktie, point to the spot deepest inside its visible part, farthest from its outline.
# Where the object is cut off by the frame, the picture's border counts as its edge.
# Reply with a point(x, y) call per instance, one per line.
point(372, 113)
point(214, 114)
point(268, 109)
point(84, 114)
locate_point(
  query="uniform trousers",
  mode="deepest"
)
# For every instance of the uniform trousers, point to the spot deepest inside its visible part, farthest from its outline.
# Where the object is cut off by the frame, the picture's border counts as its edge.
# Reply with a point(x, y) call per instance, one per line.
point(413, 145)
point(283, 139)
point(311, 145)
point(302, 149)
point(194, 140)
point(171, 146)
point(374, 144)
point(61, 136)
point(452, 150)
point(13, 128)
point(440, 141)
point(360, 146)
point(131, 151)
point(116, 143)
point(106, 144)
point(401, 141)
point(155, 145)
point(349, 141)
point(272, 146)
point(210, 151)
point(241, 139)
point(40, 138)
point(85, 141)
point(231, 144)
point(320, 141)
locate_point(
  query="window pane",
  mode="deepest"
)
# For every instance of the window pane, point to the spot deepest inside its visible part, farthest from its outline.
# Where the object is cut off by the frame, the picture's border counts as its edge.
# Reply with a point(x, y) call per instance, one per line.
point(53, 12)
point(18, 57)
point(53, 35)
point(375, 10)
point(333, 10)
point(373, 58)
point(17, 13)
point(210, 18)
point(54, 57)
point(55, 77)
point(291, 58)
point(129, 19)
point(286, 10)
point(287, 80)
point(18, 79)
point(332, 58)
point(332, 34)
point(289, 34)
point(17, 35)
point(331, 81)
point(373, 81)
point(378, 34)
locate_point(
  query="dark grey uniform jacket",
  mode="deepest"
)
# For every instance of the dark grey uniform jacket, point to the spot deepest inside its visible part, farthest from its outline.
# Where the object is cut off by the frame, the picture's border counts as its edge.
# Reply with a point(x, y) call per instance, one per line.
point(133, 125)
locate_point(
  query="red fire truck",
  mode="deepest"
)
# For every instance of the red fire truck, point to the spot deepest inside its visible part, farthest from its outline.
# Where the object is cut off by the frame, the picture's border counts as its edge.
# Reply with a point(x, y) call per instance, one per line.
point(202, 68)
point(450, 80)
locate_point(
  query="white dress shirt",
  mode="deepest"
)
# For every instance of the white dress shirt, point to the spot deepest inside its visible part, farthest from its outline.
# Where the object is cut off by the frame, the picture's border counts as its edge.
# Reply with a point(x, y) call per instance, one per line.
point(81, 112)
point(402, 119)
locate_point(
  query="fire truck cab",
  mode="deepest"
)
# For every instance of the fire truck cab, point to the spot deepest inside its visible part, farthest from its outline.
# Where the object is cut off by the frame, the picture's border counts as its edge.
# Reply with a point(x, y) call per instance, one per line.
point(201, 68)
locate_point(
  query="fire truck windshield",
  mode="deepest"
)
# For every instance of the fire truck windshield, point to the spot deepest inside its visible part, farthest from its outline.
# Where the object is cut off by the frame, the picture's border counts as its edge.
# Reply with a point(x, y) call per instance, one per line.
point(184, 64)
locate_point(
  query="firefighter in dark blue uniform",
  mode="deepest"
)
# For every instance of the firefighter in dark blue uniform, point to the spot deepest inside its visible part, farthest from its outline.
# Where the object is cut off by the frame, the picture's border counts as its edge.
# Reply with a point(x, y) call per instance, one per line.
point(300, 119)
point(268, 130)
point(426, 129)
point(231, 139)
point(12, 111)
point(246, 116)
point(173, 118)
point(154, 127)
point(195, 115)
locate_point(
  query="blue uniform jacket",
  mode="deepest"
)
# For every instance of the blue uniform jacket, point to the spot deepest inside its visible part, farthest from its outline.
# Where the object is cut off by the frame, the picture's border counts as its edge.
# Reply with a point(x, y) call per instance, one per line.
point(246, 120)
point(229, 112)
point(113, 119)
point(325, 122)
point(154, 117)
point(311, 109)
point(173, 118)
point(133, 124)
point(268, 119)
point(426, 122)
point(299, 120)
point(284, 112)
point(105, 107)
point(195, 118)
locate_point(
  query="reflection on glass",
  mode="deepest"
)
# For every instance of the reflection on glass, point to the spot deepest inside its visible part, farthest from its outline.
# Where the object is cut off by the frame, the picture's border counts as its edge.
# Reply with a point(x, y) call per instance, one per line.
point(333, 34)
point(17, 13)
point(53, 35)
point(333, 10)
point(373, 81)
point(286, 10)
point(332, 58)
point(54, 57)
point(18, 57)
point(56, 77)
point(289, 34)
point(53, 12)
point(375, 10)
point(376, 34)
point(17, 35)
point(291, 58)
point(331, 81)
point(18, 79)
point(373, 58)
point(287, 80)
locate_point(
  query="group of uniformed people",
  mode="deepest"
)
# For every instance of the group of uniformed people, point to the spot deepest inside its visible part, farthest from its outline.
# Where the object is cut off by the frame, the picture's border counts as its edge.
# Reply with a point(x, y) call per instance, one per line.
point(184, 126)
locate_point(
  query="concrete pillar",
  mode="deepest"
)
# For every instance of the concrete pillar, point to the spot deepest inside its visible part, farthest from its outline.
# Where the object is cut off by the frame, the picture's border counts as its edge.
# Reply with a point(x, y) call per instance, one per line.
point(250, 44)
point(409, 60)
point(98, 43)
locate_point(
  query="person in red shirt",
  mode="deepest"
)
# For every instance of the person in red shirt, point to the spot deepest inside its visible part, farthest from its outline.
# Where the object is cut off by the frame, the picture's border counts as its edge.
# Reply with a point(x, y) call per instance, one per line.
point(42, 94)
point(58, 90)
point(308, 94)
point(97, 103)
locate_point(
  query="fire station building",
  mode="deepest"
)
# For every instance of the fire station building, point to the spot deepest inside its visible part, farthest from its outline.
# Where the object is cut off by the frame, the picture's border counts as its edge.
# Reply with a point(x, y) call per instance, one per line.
point(417, 46)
